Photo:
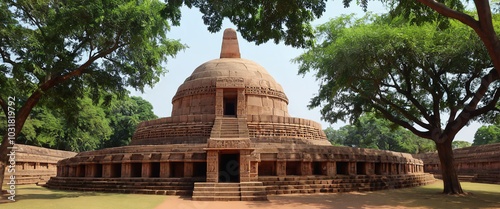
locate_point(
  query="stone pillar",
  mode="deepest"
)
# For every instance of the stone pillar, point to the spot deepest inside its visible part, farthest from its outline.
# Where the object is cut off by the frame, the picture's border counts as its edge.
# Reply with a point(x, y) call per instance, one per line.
point(61, 171)
point(331, 169)
point(370, 168)
point(351, 168)
point(106, 170)
point(126, 170)
point(219, 102)
point(394, 169)
point(241, 107)
point(72, 171)
point(384, 169)
point(188, 169)
point(164, 170)
point(89, 170)
point(306, 168)
point(281, 168)
point(254, 170)
point(146, 170)
point(212, 166)
point(245, 165)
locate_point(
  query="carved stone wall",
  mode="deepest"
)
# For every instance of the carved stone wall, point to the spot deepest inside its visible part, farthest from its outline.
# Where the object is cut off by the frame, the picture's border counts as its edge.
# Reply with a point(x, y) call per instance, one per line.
point(185, 128)
point(482, 162)
point(36, 164)
point(276, 129)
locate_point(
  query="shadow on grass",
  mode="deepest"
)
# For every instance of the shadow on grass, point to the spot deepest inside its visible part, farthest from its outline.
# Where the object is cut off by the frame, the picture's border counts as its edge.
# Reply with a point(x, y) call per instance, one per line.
point(38, 192)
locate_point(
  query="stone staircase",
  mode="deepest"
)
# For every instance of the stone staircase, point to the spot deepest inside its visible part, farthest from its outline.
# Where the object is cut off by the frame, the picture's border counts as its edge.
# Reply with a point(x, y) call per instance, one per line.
point(490, 178)
point(230, 127)
point(244, 191)
point(160, 186)
point(341, 183)
point(32, 176)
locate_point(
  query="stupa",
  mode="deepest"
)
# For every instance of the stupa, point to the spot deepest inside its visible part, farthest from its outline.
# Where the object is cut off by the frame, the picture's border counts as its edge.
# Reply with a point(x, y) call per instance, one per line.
point(230, 137)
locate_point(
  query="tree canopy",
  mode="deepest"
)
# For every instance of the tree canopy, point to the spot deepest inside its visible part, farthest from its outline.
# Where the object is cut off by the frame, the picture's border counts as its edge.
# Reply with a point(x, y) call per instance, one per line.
point(94, 126)
point(260, 21)
point(378, 133)
point(53, 51)
point(487, 135)
point(412, 75)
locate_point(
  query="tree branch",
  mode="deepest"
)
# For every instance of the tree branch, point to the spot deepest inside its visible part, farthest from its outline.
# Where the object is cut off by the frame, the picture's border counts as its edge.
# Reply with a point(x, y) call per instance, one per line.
point(402, 111)
point(409, 96)
point(402, 123)
point(448, 12)
point(490, 106)
point(469, 111)
point(33, 20)
point(5, 108)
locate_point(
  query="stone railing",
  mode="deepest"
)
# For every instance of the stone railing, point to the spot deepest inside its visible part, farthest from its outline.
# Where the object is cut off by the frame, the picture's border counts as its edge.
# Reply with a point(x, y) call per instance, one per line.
point(278, 127)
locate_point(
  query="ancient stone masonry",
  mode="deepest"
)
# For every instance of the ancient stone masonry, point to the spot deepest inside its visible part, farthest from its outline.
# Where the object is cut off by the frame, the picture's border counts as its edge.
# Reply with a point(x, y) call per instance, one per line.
point(477, 163)
point(230, 137)
point(36, 164)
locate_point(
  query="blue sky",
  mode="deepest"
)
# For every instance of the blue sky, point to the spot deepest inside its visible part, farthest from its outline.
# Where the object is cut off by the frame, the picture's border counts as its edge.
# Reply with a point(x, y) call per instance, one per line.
point(276, 59)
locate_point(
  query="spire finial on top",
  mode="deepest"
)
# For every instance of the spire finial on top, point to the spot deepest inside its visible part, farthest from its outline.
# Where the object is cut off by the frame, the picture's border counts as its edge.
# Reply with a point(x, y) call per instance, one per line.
point(230, 48)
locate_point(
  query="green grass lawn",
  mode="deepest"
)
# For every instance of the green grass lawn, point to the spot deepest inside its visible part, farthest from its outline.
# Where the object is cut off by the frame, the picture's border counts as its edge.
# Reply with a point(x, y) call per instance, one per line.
point(480, 196)
point(37, 197)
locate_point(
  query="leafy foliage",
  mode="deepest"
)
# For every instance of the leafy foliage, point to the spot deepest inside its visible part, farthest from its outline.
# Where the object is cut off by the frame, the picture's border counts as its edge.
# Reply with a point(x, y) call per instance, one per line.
point(460, 144)
point(412, 75)
point(94, 126)
point(487, 135)
point(113, 44)
point(124, 115)
point(376, 133)
point(260, 21)
point(408, 74)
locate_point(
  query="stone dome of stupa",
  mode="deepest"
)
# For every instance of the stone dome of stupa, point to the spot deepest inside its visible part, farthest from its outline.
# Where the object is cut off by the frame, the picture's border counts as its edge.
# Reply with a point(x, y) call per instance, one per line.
point(264, 96)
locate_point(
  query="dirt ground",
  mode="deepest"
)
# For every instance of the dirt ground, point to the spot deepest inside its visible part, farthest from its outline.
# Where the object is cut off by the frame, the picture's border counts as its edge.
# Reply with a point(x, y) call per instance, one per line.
point(428, 197)
point(415, 198)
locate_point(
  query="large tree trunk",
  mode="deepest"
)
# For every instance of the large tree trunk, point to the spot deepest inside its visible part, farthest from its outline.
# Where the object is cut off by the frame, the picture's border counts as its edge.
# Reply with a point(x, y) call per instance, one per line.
point(3, 162)
point(448, 168)
point(21, 117)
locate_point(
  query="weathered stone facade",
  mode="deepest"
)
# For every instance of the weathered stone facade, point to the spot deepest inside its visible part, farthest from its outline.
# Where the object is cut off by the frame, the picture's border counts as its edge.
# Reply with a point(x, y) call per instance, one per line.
point(35, 164)
point(477, 163)
point(230, 128)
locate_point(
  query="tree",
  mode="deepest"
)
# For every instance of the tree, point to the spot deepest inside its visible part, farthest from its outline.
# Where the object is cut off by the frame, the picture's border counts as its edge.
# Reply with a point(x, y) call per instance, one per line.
point(261, 21)
point(411, 75)
point(460, 144)
point(124, 115)
point(289, 21)
point(378, 133)
point(49, 57)
point(94, 126)
point(487, 135)
point(86, 129)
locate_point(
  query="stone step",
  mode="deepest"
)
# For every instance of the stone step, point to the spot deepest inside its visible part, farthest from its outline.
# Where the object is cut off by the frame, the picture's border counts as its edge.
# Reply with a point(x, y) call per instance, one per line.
point(131, 191)
point(253, 188)
point(187, 188)
point(253, 198)
point(217, 189)
point(208, 184)
point(253, 193)
point(216, 194)
point(218, 198)
point(122, 185)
